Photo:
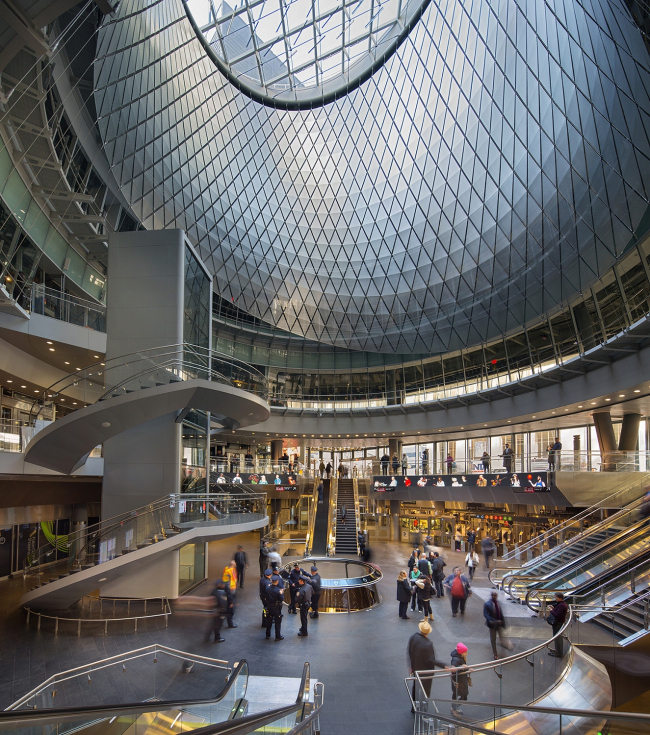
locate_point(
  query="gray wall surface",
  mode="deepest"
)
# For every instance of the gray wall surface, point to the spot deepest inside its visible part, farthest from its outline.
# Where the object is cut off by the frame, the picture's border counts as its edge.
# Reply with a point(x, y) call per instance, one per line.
point(144, 310)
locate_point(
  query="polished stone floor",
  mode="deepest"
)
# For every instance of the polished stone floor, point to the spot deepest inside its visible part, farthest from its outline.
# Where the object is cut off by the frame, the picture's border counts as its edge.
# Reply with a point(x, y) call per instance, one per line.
point(360, 657)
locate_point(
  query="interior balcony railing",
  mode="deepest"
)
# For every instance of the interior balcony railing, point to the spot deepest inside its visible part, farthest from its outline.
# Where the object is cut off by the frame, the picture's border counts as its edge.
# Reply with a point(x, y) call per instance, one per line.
point(66, 308)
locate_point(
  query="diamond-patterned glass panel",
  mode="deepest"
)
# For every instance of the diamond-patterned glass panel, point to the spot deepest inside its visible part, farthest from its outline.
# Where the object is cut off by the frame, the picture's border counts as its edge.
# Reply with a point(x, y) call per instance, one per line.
point(496, 166)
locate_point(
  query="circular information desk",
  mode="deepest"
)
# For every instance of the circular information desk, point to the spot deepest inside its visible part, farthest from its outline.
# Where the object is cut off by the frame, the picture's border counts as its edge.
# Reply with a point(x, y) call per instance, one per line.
point(347, 585)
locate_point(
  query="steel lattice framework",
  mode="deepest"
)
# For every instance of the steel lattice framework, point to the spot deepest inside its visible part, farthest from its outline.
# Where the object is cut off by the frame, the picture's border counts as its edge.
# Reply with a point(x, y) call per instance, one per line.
point(490, 171)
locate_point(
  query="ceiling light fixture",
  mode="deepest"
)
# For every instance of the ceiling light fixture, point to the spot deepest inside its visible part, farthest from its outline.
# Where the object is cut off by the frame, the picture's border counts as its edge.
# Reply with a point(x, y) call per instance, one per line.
point(637, 391)
point(49, 343)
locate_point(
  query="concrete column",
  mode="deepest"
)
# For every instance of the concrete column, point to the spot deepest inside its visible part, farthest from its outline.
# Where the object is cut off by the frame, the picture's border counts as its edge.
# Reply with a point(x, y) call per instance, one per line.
point(394, 520)
point(605, 431)
point(629, 432)
point(276, 450)
point(144, 310)
point(395, 447)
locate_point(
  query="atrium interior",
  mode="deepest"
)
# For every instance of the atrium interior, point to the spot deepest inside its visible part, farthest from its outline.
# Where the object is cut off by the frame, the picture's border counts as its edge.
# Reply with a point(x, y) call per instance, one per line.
point(325, 367)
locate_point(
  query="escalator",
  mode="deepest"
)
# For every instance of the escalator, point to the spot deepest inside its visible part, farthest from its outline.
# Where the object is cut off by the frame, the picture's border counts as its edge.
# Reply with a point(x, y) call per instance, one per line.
point(319, 542)
point(593, 540)
point(213, 715)
point(587, 576)
point(346, 532)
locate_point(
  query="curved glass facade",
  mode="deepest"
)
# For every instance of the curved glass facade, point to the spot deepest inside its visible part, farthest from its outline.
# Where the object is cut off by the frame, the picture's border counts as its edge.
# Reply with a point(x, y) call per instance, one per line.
point(494, 168)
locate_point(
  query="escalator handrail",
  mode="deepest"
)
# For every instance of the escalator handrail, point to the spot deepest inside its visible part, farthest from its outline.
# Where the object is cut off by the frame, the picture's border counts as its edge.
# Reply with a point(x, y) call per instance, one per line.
point(580, 560)
point(605, 523)
point(251, 723)
point(581, 516)
point(599, 579)
point(62, 714)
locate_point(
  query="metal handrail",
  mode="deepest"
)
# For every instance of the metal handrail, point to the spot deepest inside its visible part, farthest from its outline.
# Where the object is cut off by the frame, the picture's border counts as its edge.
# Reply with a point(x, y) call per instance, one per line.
point(570, 521)
point(433, 674)
point(330, 549)
point(99, 369)
point(58, 618)
point(68, 674)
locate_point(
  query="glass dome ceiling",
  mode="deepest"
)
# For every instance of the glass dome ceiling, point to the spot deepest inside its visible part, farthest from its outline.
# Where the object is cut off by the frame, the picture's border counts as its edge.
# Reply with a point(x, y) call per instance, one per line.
point(298, 54)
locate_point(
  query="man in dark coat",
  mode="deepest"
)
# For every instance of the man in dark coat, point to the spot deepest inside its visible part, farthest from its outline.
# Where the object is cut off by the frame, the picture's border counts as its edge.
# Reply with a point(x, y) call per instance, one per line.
point(385, 461)
point(264, 557)
point(274, 599)
point(560, 610)
point(496, 622)
point(218, 613)
point(437, 573)
point(241, 562)
point(265, 583)
point(422, 657)
point(315, 582)
point(294, 578)
point(303, 601)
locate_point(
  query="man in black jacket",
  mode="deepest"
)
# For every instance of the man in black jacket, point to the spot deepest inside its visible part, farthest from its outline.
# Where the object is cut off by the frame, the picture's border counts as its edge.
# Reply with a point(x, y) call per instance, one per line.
point(559, 612)
point(437, 573)
point(264, 557)
point(315, 581)
point(496, 622)
point(422, 657)
point(265, 583)
point(385, 461)
point(294, 578)
point(241, 562)
point(274, 599)
point(303, 600)
point(218, 613)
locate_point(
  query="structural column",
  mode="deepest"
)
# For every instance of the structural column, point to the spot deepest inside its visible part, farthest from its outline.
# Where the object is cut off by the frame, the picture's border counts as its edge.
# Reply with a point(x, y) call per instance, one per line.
point(276, 451)
point(629, 432)
point(606, 438)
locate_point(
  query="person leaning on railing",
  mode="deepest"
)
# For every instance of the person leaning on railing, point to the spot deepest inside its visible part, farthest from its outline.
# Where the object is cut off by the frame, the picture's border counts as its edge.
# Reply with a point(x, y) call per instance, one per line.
point(556, 618)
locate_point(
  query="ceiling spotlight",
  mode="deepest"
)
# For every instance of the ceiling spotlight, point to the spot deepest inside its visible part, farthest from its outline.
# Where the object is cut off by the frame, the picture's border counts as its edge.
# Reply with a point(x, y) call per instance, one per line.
point(637, 391)
point(66, 362)
point(49, 343)
point(75, 403)
point(23, 386)
point(593, 403)
point(96, 357)
point(106, 424)
point(52, 349)
point(621, 395)
point(566, 409)
point(608, 399)
point(10, 381)
point(77, 368)
point(579, 406)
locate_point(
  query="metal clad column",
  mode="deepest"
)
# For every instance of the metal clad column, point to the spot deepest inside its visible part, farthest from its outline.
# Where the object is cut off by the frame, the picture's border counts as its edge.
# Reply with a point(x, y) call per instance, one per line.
point(629, 432)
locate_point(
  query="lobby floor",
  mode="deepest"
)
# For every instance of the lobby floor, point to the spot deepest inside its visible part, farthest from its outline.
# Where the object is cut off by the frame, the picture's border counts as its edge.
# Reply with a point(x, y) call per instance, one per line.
point(360, 657)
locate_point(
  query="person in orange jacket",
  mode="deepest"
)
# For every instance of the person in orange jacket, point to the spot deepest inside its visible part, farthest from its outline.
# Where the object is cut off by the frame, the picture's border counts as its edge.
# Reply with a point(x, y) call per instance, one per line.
point(230, 575)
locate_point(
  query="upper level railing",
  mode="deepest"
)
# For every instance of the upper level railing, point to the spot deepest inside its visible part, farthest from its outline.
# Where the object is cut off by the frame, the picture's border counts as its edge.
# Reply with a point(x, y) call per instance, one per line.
point(130, 531)
point(66, 308)
point(151, 368)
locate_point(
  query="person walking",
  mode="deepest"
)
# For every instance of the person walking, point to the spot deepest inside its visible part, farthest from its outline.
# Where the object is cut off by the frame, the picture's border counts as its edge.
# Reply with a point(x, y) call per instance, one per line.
point(361, 540)
point(274, 599)
point(241, 562)
point(450, 463)
point(496, 622)
point(471, 562)
point(403, 594)
point(471, 539)
point(438, 574)
point(557, 618)
point(321, 469)
point(229, 576)
point(264, 557)
point(319, 491)
point(219, 610)
point(303, 601)
point(275, 560)
point(385, 461)
point(421, 656)
point(414, 576)
point(328, 470)
point(315, 582)
point(458, 539)
point(343, 513)
point(413, 559)
point(487, 546)
point(265, 583)
point(405, 465)
point(424, 596)
point(460, 678)
point(459, 589)
point(485, 461)
point(508, 456)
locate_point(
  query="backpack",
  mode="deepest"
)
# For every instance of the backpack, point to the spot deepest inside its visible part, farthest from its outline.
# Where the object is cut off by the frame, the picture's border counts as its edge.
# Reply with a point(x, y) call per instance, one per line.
point(457, 588)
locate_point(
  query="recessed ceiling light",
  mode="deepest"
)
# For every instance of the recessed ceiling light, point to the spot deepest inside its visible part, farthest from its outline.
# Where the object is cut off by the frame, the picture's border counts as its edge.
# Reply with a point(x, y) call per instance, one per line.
point(579, 406)
point(63, 400)
point(508, 420)
point(637, 391)
point(52, 349)
point(608, 399)
point(566, 409)
point(593, 403)
point(66, 362)
point(10, 381)
point(103, 579)
point(37, 391)
point(23, 386)
point(75, 403)
point(534, 417)
point(77, 368)
point(621, 395)
point(552, 411)
point(97, 357)
point(50, 343)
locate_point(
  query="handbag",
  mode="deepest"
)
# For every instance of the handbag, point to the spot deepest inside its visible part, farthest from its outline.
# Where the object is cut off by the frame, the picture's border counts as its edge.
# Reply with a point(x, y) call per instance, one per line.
point(551, 619)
